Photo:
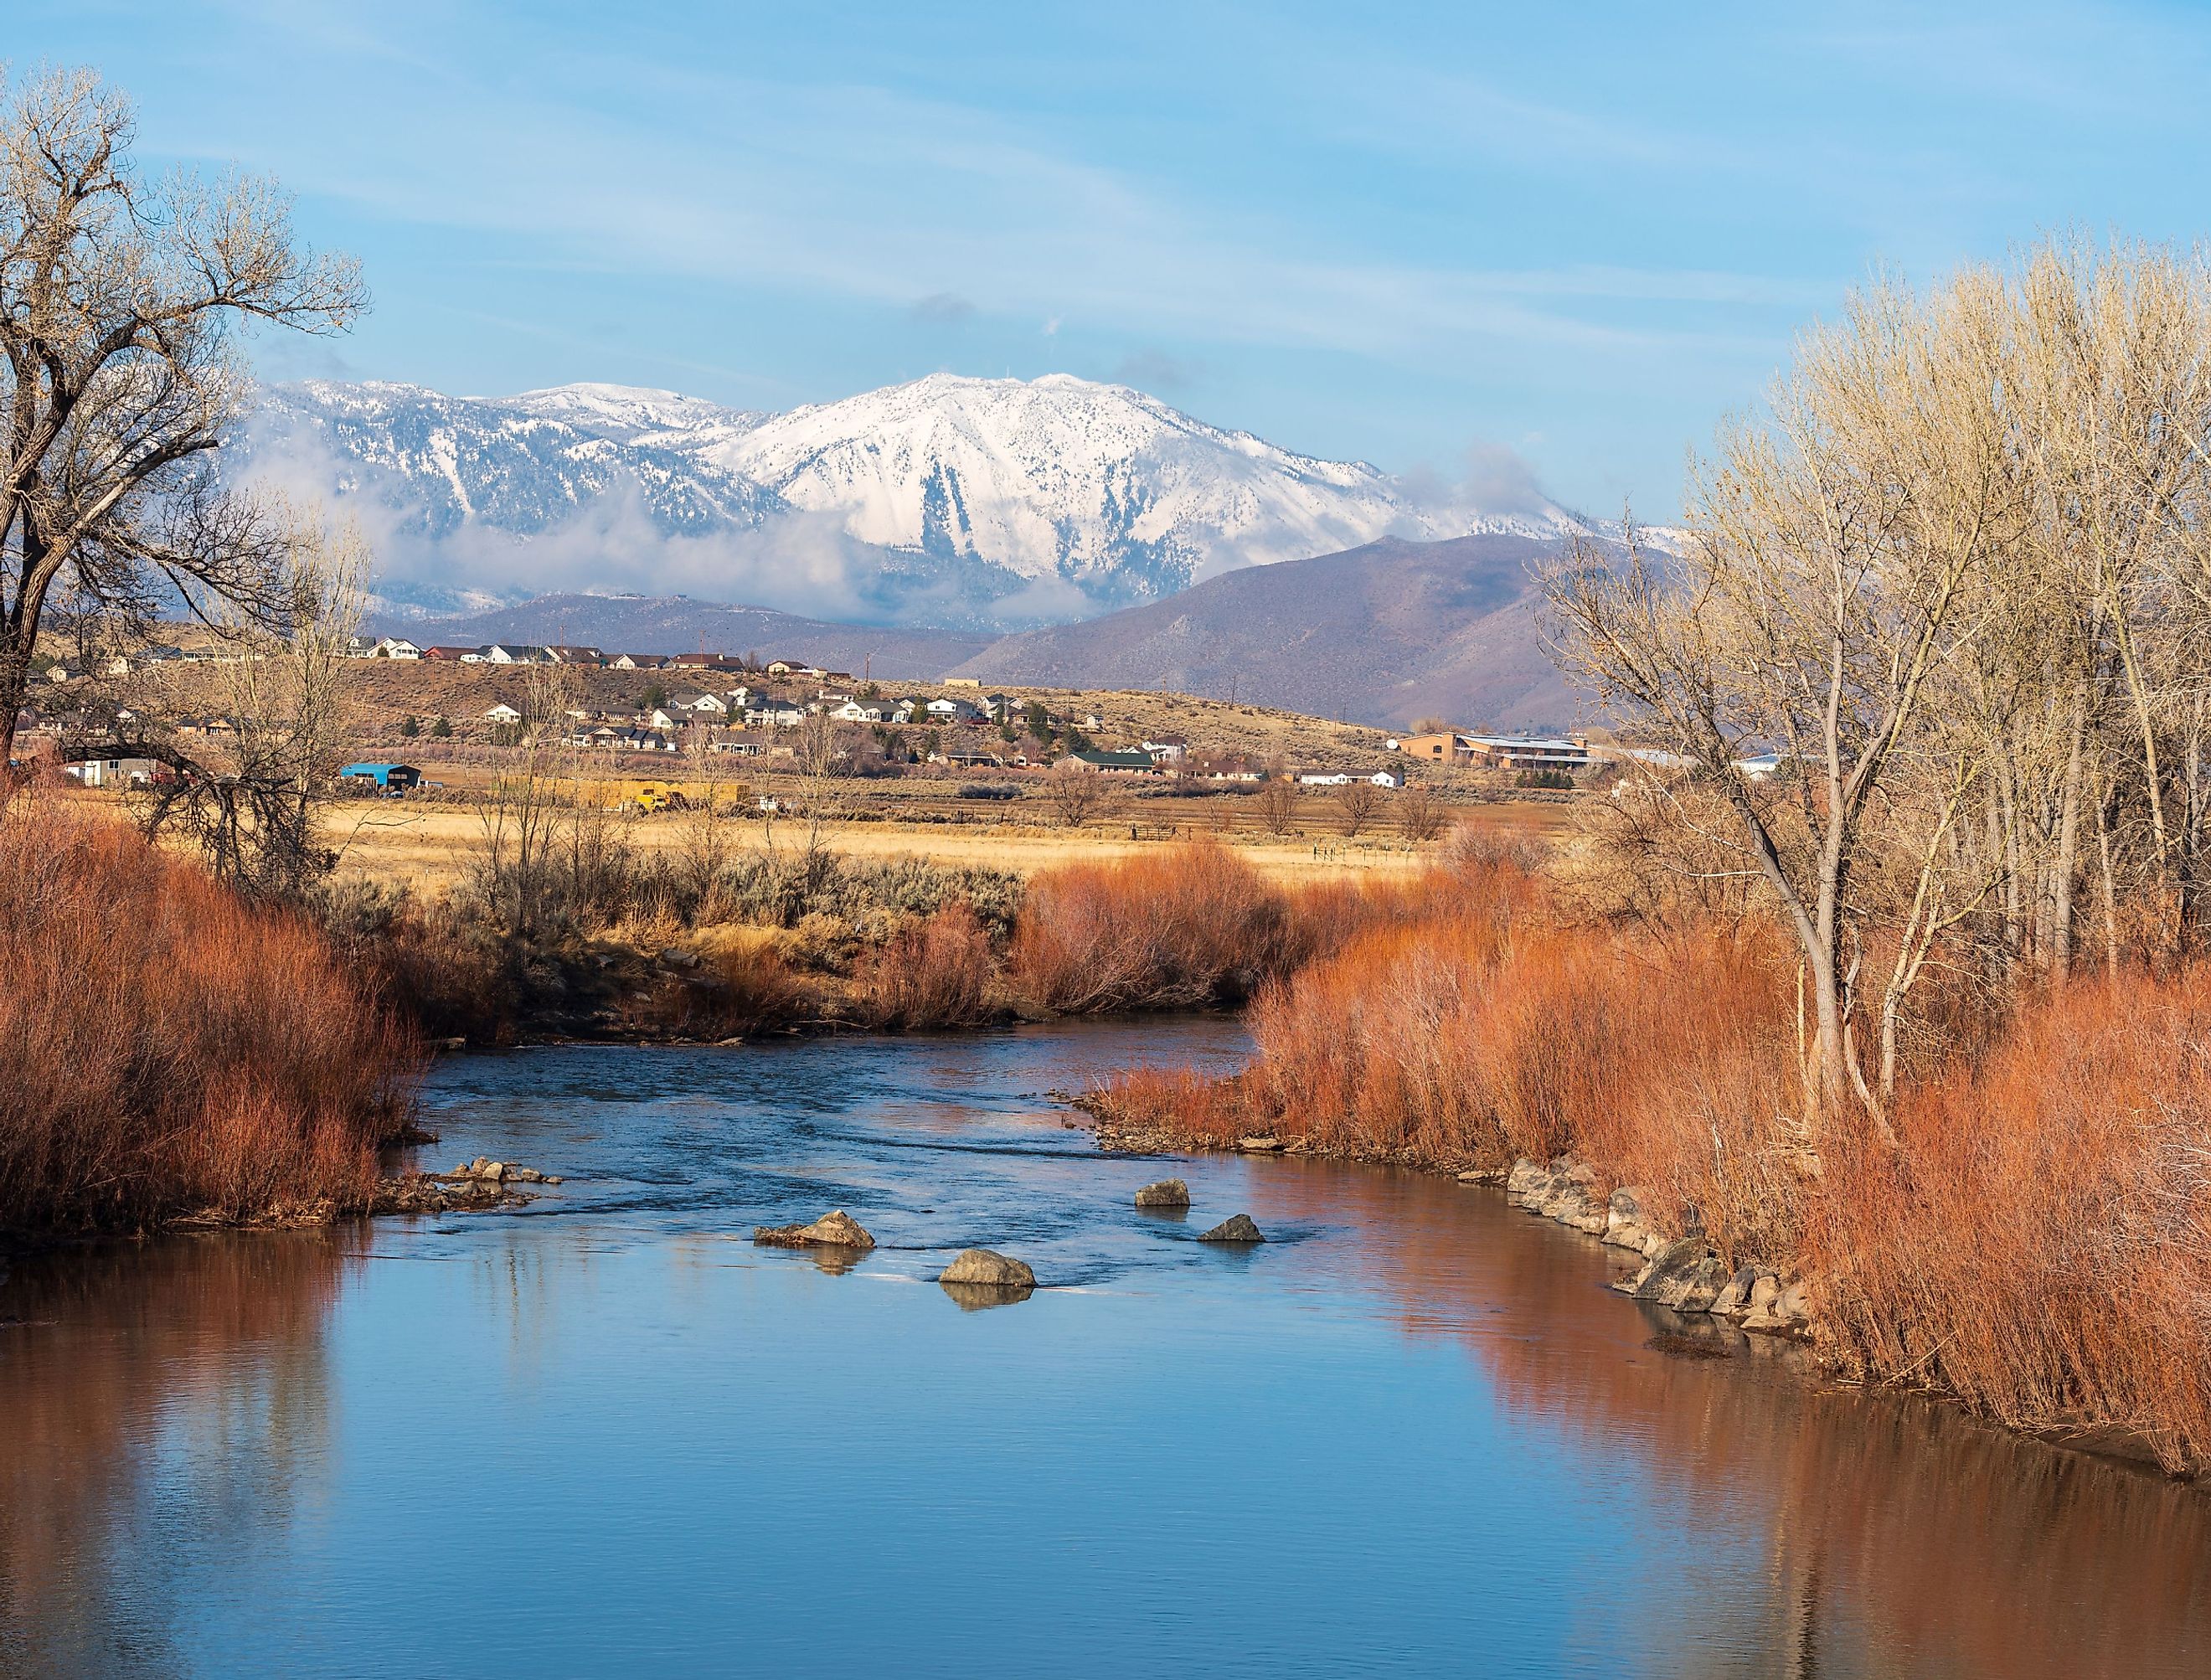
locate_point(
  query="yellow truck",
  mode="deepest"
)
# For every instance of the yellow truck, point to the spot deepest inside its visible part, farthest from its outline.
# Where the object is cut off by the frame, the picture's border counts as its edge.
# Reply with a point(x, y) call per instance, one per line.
point(646, 797)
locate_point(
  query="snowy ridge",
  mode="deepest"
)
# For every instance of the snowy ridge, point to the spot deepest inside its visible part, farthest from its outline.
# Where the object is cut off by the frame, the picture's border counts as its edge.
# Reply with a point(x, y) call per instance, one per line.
point(1070, 496)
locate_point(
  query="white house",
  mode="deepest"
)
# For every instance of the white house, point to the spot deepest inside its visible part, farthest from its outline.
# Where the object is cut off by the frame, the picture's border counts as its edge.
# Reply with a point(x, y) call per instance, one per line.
point(397, 647)
point(774, 717)
point(1345, 777)
point(857, 712)
point(705, 703)
point(502, 712)
point(115, 772)
point(953, 711)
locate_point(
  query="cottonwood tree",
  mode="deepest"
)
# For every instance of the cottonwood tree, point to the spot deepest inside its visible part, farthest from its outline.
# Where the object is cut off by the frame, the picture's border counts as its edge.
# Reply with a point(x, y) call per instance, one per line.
point(121, 300)
point(1820, 588)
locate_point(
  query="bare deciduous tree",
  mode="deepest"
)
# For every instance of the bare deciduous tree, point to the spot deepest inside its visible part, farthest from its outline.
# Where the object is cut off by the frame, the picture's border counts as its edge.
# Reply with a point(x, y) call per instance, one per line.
point(1075, 795)
point(120, 301)
point(1277, 801)
point(251, 797)
point(1357, 803)
point(1419, 814)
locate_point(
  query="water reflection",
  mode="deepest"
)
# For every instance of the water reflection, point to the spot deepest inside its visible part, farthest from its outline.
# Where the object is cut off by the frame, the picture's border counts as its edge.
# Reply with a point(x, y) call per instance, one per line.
point(149, 1397)
point(1411, 1433)
point(1899, 1537)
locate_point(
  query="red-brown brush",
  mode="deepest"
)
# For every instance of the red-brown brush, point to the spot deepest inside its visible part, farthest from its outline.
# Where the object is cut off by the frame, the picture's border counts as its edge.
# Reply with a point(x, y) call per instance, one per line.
point(168, 1049)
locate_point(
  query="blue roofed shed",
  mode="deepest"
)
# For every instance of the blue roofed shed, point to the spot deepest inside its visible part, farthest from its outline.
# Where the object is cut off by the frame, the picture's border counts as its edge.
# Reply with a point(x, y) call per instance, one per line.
point(391, 778)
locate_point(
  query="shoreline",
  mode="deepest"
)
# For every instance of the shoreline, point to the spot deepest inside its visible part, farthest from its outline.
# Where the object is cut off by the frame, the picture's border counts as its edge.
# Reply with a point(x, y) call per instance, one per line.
point(1681, 1274)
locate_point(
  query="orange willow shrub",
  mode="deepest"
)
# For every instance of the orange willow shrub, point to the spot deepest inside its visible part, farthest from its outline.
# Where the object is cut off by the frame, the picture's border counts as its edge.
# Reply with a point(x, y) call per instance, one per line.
point(1464, 1026)
point(1173, 929)
point(935, 972)
point(165, 1048)
point(2041, 1244)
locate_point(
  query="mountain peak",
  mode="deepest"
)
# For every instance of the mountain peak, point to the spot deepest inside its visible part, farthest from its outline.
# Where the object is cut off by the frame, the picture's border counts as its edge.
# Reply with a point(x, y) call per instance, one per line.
point(1052, 497)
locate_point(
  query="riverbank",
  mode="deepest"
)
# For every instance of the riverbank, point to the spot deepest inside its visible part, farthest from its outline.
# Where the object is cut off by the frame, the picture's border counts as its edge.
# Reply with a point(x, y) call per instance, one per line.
point(2036, 1242)
point(221, 1438)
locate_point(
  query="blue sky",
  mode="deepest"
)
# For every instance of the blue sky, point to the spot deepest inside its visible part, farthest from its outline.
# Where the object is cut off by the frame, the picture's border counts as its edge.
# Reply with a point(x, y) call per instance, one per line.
point(1427, 236)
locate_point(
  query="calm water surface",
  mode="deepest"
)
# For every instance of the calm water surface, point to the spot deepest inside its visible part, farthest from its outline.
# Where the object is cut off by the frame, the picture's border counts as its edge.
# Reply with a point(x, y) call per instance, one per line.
point(604, 1435)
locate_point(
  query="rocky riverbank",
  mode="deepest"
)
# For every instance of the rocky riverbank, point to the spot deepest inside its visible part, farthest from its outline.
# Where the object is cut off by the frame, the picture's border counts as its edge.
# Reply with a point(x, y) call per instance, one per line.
point(1684, 1272)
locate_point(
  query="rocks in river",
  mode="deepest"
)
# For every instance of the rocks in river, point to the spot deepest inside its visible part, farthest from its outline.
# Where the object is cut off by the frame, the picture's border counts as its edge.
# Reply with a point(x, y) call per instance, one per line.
point(833, 1230)
point(1166, 1193)
point(1687, 1275)
point(1734, 1299)
point(1624, 1225)
point(1237, 1227)
point(482, 1170)
point(986, 1267)
point(1259, 1145)
point(1485, 1175)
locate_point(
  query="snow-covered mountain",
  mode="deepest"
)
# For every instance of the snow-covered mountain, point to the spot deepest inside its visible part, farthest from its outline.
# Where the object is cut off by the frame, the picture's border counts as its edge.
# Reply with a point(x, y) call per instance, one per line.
point(947, 498)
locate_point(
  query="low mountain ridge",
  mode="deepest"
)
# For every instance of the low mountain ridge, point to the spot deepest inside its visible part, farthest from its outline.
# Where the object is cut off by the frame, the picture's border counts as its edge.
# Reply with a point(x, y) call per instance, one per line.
point(1382, 634)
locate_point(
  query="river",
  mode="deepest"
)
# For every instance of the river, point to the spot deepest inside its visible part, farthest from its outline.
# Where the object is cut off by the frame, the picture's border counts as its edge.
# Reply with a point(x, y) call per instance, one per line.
point(603, 1434)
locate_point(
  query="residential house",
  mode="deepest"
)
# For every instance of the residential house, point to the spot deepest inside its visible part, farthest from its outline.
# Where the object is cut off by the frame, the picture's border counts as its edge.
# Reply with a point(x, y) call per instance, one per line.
point(659, 718)
point(397, 648)
point(574, 656)
point(501, 713)
point(1168, 748)
point(1528, 752)
point(1383, 778)
point(635, 662)
point(774, 714)
point(1115, 764)
point(451, 655)
point(514, 653)
point(857, 712)
point(1441, 748)
point(117, 771)
point(967, 758)
point(1498, 752)
point(702, 704)
point(950, 711)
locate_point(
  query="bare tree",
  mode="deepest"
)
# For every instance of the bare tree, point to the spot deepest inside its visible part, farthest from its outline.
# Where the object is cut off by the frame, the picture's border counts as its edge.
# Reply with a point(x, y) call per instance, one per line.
point(1075, 795)
point(1358, 803)
point(706, 838)
point(251, 797)
point(1822, 587)
point(119, 304)
point(525, 812)
point(1419, 814)
point(1278, 801)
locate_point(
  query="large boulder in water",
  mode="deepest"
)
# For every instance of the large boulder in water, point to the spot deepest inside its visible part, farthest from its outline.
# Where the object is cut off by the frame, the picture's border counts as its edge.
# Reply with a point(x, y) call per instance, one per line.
point(987, 1266)
point(1237, 1228)
point(1166, 1193)
point(1687, 1275)
point(833, 1230)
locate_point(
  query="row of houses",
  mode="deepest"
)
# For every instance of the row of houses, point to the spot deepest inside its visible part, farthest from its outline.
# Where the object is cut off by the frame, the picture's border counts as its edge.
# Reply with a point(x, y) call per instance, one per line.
point(535, 654)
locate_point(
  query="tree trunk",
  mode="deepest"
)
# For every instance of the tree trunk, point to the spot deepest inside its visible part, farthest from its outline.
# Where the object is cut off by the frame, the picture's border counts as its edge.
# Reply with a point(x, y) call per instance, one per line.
point(2068, 843)
point(15, 685)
